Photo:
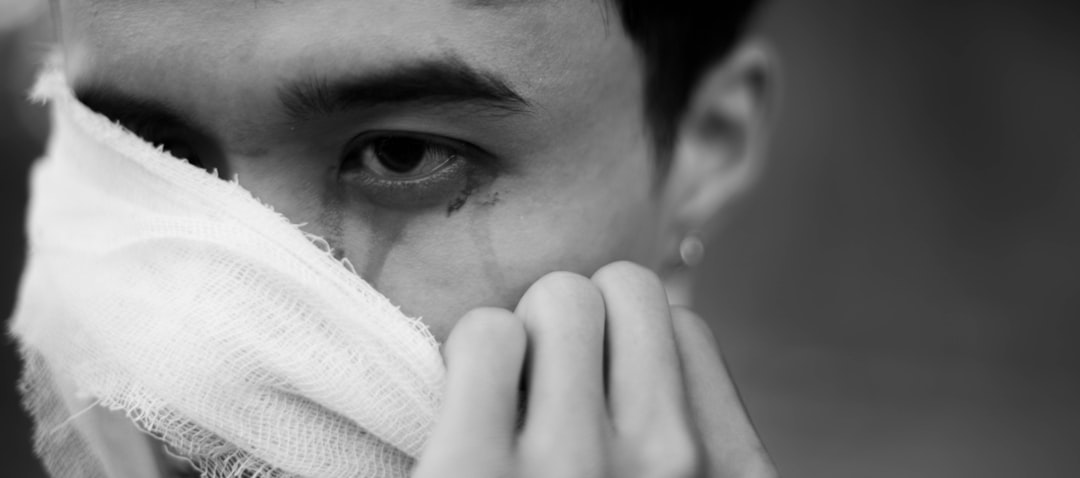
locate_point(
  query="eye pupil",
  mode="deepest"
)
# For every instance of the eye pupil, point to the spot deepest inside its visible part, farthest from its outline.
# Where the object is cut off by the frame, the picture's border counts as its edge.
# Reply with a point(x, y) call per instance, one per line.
point(400, 155)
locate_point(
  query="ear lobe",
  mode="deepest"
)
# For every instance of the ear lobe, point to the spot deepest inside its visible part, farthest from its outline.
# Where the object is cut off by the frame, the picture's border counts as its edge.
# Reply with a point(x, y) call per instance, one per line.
point(721, 142)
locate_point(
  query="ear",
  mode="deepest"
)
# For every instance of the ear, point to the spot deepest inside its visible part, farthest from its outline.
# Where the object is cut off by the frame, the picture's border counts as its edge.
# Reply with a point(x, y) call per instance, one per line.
point(720, 146)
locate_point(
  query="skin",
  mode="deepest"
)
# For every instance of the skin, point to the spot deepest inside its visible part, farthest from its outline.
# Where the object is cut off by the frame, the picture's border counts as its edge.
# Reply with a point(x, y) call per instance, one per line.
point(567, 182)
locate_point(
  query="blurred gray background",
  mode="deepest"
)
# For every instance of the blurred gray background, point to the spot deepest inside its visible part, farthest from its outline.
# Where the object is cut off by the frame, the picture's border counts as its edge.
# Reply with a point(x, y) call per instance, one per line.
point(899, 297)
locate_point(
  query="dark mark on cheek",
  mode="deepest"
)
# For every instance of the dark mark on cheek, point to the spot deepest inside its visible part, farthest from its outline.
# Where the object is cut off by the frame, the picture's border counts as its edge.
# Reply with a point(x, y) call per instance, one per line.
point(388, 228)
point(474, 180)
point(491, 200)
point(480, 230)
point(459, 201)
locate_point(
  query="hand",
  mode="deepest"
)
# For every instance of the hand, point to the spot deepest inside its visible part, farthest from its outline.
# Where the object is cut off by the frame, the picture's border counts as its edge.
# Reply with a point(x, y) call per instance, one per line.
point(618, 384)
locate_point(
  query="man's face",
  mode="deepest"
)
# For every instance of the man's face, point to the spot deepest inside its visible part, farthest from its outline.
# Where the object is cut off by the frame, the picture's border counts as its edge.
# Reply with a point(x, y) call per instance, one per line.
point(453, 150)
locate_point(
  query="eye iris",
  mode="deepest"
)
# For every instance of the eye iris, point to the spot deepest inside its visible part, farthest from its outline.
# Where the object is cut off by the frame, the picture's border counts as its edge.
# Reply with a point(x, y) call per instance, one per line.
point(400, 155)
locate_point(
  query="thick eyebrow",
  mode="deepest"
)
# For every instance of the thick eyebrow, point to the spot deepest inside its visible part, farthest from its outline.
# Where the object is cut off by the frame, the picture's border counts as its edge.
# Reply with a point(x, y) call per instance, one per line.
point(430, 82)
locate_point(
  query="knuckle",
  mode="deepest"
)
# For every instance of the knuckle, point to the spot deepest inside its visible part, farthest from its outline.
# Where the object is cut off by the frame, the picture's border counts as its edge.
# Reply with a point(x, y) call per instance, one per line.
point(487, 327)
point(560, 291)
point(565, 285)
point(626, 272)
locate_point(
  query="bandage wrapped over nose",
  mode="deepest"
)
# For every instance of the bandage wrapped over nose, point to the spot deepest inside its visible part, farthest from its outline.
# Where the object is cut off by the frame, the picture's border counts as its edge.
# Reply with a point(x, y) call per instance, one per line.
point(215, 324)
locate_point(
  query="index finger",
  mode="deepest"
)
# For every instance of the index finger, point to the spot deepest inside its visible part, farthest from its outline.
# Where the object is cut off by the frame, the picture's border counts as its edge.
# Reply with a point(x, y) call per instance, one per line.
point(644, 379)
point(732, 445)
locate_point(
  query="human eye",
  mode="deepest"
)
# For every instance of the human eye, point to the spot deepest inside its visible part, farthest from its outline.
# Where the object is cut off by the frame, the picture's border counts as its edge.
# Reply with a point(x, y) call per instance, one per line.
point(408, 170)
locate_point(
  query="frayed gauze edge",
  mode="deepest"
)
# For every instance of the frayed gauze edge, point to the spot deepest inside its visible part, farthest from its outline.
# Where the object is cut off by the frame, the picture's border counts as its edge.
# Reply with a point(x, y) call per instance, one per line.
point(212, 321)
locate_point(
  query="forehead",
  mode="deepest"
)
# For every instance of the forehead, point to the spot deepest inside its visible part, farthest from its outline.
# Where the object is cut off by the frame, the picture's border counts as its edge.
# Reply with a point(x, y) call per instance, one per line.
point(537, 44)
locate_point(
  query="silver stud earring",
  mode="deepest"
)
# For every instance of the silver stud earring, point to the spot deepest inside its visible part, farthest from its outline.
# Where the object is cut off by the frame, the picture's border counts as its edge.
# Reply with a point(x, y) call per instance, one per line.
point(691, 250)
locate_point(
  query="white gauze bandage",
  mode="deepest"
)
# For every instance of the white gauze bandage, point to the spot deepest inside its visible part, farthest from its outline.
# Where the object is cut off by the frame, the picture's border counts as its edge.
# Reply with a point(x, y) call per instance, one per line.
point(215, 324)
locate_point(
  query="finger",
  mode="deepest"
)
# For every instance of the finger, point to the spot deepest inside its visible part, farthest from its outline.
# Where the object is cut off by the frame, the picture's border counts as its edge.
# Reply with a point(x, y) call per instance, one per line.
point(484, 355)
point(644, 379)
point(563, 315)
point(731, 444)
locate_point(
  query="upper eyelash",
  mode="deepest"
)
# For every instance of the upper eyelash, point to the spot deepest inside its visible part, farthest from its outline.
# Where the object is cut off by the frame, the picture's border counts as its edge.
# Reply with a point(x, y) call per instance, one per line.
point(458, 147)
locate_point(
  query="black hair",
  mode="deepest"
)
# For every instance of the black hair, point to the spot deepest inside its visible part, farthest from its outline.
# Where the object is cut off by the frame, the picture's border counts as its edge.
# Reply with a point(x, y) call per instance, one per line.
point(679, 40)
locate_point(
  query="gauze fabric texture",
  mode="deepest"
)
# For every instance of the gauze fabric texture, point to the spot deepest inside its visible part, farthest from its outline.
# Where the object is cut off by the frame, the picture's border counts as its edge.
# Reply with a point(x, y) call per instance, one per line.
point(156, 288)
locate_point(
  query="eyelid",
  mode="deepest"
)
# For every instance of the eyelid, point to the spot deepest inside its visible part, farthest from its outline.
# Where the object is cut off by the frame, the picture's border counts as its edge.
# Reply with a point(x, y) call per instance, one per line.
point(464, 149)
point(425, 191)
point(455, 144)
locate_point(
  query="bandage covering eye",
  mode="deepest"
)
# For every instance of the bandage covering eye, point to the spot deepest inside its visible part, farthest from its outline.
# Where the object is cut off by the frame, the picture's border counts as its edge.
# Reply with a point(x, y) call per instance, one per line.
point(157, 289)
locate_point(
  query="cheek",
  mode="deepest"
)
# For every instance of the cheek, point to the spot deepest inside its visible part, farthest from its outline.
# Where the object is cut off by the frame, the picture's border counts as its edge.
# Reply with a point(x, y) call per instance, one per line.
point(492, 250)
